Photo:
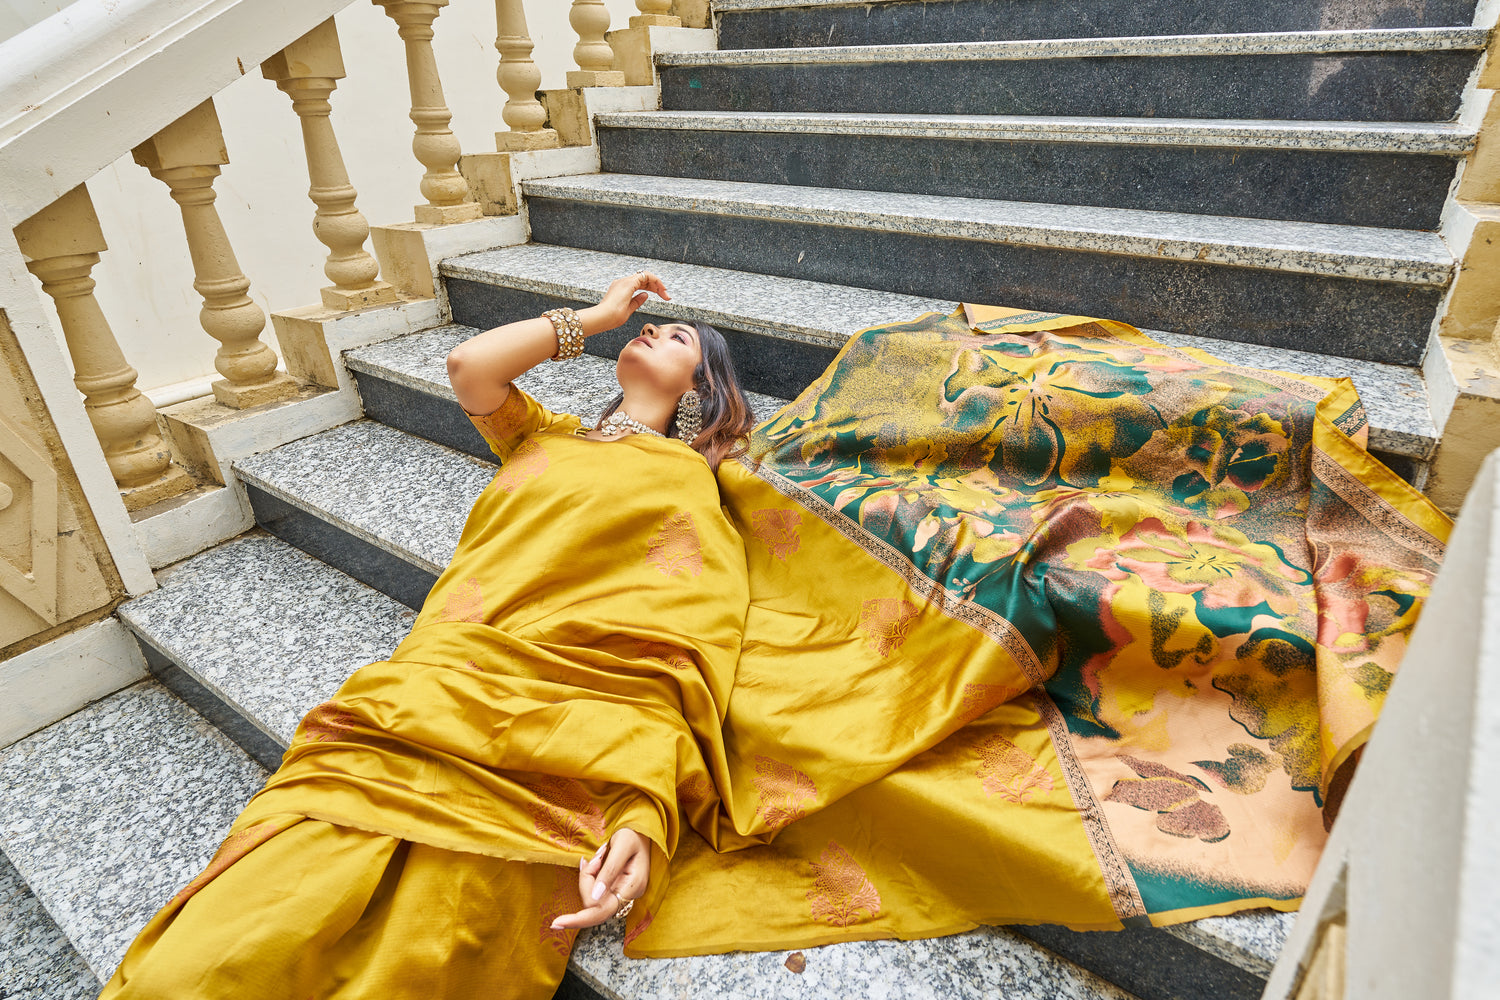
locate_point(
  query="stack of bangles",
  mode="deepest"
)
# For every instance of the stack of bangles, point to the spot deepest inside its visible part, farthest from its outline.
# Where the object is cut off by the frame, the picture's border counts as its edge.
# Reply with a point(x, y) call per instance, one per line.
point(569, 330)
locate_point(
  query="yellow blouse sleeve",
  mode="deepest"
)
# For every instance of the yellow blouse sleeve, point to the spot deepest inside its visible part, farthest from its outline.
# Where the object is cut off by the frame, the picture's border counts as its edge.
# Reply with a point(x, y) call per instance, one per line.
point(518, 418)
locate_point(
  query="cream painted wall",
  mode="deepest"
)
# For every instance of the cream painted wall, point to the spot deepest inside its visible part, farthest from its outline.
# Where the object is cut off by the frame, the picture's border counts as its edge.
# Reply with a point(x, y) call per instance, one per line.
point(18, 15)
point(145, 280)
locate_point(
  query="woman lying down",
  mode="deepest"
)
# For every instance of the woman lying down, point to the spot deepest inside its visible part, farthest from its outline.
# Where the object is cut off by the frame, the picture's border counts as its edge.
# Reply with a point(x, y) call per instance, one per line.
point(1008, 618)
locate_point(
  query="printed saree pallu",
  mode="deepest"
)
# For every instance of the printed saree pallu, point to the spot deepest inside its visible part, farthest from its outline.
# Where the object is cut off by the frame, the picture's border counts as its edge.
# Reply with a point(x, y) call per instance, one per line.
point(1048, 623)
point(1007, 618)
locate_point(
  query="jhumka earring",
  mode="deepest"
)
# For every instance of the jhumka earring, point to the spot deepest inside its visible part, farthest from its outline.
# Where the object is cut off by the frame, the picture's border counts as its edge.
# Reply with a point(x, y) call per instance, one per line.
point(689, 416)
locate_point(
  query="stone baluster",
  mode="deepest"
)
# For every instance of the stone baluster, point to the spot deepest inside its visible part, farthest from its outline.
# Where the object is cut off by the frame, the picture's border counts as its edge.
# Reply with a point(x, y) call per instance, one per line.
point(595, 58)
point(519, 77)
point(62, 244)
point(186, 156)
point(435, 145)
point(307, 71)
point(655, 13)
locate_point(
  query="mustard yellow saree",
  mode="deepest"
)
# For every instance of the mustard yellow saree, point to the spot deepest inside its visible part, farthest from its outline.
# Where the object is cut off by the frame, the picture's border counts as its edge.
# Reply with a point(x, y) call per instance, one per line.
point(1007, 618)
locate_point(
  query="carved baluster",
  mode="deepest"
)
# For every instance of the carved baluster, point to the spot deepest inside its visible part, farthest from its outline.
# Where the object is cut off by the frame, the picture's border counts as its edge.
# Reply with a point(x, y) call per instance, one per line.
point(186, 156)
point(596, 60)
point(519, 77)
point(435, 145)
point(62, 244)
point(307, 71)
point(656, 13)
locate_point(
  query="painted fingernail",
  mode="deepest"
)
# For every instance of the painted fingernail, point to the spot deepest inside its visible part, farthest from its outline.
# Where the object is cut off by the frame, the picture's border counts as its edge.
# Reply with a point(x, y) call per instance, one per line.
point(556, 926)
point(598, 890)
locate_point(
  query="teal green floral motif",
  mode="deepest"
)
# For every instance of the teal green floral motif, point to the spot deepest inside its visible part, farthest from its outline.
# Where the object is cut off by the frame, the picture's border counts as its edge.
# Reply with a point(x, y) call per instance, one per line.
point(1208, 589)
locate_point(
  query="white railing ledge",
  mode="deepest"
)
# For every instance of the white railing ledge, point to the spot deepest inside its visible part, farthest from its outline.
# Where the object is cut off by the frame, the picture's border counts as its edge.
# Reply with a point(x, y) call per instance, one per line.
point(91, 82)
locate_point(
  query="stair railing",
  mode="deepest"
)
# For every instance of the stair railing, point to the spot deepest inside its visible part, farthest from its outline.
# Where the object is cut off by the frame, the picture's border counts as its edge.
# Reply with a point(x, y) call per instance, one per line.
point(67, 74)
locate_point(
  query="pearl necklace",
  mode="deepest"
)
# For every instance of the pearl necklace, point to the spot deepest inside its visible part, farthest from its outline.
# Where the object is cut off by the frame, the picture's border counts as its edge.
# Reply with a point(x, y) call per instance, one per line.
point(619, 422)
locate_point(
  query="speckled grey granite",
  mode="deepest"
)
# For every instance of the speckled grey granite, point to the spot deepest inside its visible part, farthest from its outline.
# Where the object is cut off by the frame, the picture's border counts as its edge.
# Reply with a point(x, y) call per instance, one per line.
point(980, 965)
point(1402, 137)
point(1299, 247)
point(1262, 43)
point(1395, 397)
point(719, 5)
point(1250, 940)
point(749, 24)
point(36, 960)
point(245, 617)
point(582, 385)
point(109, 812)
point(785, 308)
point(1388, 189)
point(402, 494)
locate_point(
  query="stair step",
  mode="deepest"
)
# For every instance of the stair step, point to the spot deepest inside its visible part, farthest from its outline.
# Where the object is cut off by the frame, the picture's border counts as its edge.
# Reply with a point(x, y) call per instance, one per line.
point(109, 812)
point(300, 605)
point(1406, 74)
point(481, 287)
point(36, 960)
point(1291, 247)
point(237, 623)
point(1389, 175)
point(1344, 290)
point(746, 24)
point(382, 505)
point(1363, 137)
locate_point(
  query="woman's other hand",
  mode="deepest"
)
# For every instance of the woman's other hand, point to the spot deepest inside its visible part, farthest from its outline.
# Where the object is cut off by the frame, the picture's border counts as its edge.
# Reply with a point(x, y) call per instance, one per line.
point(626, 295)
point(617, 873)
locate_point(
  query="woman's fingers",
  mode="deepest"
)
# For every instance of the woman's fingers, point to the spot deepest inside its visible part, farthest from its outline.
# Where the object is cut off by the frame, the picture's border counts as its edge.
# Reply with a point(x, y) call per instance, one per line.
point(609, 878)
point(593, 913)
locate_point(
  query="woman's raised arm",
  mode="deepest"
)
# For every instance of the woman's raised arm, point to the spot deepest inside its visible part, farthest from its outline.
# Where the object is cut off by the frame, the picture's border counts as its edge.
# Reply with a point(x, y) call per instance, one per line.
point(482, 368)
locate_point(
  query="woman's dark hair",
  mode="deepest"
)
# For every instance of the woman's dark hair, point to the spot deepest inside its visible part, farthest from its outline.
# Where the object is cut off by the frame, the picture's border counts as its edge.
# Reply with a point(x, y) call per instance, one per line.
point(726, 412)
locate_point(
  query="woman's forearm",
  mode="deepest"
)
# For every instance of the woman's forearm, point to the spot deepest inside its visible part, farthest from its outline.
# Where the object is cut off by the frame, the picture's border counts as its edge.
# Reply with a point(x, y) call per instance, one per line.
point(482, 368)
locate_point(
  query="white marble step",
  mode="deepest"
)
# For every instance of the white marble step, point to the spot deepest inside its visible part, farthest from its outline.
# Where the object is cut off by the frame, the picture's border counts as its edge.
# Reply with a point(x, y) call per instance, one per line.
point(36, 960)
point(109, 812)
point(1259, 43)
point(1366, 137)
point(297, 603)
point(1406, 256)
point(1395, 397)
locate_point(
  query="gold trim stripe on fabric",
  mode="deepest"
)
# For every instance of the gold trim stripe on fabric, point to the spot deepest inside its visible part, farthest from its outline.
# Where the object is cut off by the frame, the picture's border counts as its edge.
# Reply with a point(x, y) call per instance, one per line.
point(974, 615)
point(1374, 508)
point(1119, 882)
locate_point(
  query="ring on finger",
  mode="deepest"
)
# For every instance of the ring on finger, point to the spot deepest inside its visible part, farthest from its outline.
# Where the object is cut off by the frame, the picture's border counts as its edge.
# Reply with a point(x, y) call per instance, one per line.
point(625, 904)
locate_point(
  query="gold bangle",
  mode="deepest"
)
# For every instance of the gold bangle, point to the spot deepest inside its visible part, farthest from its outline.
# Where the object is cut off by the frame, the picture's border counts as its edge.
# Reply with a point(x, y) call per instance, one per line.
point(569, 330)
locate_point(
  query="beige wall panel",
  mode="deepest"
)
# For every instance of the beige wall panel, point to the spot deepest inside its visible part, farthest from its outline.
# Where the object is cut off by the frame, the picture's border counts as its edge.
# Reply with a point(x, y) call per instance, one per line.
point(54, 569)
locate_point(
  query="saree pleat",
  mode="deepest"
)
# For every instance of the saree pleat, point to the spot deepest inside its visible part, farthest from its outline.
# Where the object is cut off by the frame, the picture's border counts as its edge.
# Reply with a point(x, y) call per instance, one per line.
point(1008, 618)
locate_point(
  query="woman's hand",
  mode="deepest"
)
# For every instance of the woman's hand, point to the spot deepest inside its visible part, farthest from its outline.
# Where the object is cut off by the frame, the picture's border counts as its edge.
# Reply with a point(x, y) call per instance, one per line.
point(617, 873)
point(626, 295)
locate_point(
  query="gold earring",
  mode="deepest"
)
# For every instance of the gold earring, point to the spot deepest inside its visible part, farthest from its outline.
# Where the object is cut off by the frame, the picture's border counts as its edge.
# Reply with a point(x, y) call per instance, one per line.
point(689, 416)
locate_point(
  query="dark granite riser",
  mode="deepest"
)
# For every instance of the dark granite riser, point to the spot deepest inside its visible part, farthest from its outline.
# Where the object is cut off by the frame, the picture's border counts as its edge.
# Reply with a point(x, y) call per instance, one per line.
point(1356, 318)
point(366, 562)
point(1364, 86)
point(1401, 191)
point(1002, 20)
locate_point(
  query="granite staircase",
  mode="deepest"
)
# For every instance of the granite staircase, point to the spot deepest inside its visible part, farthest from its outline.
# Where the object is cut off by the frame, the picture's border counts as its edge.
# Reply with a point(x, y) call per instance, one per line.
point(1263, 180)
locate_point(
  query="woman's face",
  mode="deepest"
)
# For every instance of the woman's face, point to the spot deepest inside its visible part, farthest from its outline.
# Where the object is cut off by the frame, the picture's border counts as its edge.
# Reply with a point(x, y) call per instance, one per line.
point(662, 357)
